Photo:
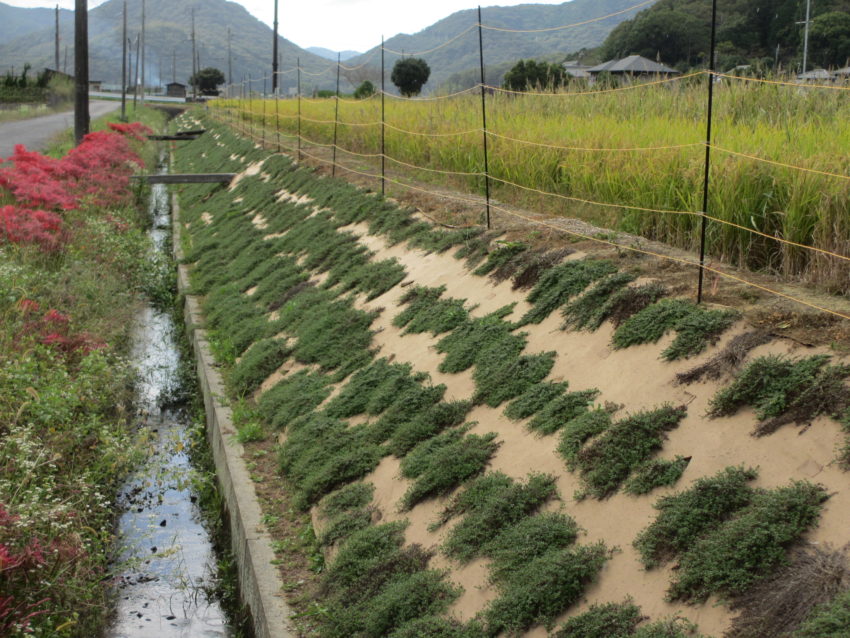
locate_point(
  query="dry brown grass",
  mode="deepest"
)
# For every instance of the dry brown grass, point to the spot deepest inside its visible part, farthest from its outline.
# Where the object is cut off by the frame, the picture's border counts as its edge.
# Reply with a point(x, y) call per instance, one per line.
point(725, 361)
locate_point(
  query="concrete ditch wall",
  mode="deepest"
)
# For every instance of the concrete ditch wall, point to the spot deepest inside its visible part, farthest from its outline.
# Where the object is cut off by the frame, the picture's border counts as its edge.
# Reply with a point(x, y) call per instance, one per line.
point(260, 583)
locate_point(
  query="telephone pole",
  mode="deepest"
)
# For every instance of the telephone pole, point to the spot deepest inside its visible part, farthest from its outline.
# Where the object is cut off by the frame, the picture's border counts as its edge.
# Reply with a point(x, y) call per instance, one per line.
point(194, 71)
point(124, 66)
point(806, 35)
point(274, 53)
point(56, 47)
point(81, 70)
point(142, 100)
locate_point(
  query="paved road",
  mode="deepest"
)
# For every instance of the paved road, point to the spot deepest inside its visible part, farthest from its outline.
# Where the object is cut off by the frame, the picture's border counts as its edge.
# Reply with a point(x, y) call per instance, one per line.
point(37, 132)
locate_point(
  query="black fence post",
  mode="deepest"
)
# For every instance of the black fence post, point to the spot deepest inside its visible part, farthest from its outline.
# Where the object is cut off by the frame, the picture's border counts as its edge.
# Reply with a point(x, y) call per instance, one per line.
point(484, 118)
point(277, 118)
point(706, 181)
point(336, 116)
point(299, 109)
point(383, 123)
point(263, 131)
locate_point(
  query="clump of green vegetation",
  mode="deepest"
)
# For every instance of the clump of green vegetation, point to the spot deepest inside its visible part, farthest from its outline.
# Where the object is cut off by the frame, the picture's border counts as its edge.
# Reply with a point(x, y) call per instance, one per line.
point(500, 375)
point(629, 301)
point(534, 399)
point(439, 627)
point(466, 342)
point(540, 591)
point(443, 462)
point(688, 515)
point(293, 396)
point(746, 548)
point(784, 390)
point(656, 473)
point(668, 628)
point(795, 595)
point(829, 621)
point(578, 431)
point(322, 453)
point(489, 505)
point(257, 364)
point(372, 278)
point(696, 328)
point(373, 389)
point(560, 411)
point(531, 265)
point(427, 312)
point(607, 461)
point(559, 284)
point(427, 424)
point(728, 359)
point(347, 511)
point(589, 311)
point(611, 620)
point(498, 263)
point(410, 404)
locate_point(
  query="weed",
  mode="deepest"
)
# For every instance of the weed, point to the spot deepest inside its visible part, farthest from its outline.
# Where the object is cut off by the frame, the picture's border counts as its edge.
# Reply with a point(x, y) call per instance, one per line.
point(589, 311)
point(786, 391)
point(426, 312)
point(490, 504)
point(560, 411)
point(500, 375)
point(610, 620)
point(696, 327)
point(543, 589)
point(256, 365)
point(293, 396)
point(578, 431)
point(656, 473)
point(798, 592)
point(534, 399)
point(250, 432)
point(688, 515)
point(727, 360)
point(443, 462)
point(748, 547)
point(465, 343)
point(427, 424)
point(559, 284)
point(606, 462)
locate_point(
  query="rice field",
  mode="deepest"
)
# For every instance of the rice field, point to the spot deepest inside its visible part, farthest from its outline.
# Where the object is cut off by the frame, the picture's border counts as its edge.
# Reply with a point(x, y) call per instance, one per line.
point(623, 151)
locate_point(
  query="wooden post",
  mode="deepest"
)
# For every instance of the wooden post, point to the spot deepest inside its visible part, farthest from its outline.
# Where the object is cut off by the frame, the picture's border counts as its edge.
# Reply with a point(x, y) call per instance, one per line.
point(81, 70)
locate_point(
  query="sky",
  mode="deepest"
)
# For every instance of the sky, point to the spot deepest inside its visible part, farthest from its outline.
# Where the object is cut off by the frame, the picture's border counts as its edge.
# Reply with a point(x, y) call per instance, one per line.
point(338, 25)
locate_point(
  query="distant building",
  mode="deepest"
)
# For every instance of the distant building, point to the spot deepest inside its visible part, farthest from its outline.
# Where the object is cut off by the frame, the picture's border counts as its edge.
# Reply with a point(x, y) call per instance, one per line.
point(95, 85)
point(633, 66)
point(53, 73)
point(816, 75)
point(175, 89)
point(576, 70)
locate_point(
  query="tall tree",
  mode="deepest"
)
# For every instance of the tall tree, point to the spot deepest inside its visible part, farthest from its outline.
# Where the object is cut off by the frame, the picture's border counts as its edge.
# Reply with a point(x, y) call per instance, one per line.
point(410, 75)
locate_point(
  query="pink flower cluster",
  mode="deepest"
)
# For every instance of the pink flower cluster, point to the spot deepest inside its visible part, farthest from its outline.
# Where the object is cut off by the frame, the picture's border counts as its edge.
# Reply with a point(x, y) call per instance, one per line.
point(53, 330)
point(95, 173)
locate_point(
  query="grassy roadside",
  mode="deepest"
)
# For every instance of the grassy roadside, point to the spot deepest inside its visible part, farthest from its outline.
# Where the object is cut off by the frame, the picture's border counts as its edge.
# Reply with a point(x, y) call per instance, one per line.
point(68, 294)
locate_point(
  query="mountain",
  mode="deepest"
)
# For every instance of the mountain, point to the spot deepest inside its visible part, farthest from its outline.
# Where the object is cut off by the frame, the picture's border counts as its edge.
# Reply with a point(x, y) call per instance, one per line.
point(501, 48)
point(678, 31)
point(331, 55)
point(16, 22)
point(168, 43)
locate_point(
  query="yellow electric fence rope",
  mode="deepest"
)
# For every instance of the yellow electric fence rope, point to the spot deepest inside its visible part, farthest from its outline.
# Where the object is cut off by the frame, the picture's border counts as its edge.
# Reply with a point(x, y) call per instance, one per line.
point(588, 149)
point(799, 85)
point(775, 163)
point(574, 24)
point(455, 134)
point(430, 99)
point(363, 64)
point(631, 87)
point(434, 170)
point(436, 48)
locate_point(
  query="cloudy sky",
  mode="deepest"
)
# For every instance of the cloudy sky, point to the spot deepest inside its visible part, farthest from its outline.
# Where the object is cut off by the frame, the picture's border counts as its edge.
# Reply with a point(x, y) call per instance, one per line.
point(338, 24)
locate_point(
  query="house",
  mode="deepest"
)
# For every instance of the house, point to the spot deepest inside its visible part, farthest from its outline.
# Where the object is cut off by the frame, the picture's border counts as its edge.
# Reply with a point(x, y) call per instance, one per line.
point(95, 85)
point(175, 89)
point(816, 75)
point(633, 66)
point(576, 70)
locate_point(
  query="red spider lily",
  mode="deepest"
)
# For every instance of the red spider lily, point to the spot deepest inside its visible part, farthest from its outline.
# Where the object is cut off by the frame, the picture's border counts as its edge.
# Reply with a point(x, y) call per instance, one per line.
point(54, 316)
point(25, 226)
point(28, 306)
point(136, 130)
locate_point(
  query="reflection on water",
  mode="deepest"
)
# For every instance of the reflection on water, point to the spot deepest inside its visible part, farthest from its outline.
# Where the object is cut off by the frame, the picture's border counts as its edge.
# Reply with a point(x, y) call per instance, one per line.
point(165, 561)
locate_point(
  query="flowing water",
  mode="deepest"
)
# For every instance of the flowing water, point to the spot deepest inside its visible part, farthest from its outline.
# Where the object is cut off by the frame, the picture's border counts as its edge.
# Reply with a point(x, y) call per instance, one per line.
point(165, 563)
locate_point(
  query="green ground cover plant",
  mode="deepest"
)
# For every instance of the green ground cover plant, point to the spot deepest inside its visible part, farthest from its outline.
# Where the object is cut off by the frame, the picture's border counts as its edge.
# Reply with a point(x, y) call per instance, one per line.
point(561, 283)
point(346, 511)
point(749, 546)
point(427, 312)
point(260, 360)
point(684, 517)
point(576, 432)
point(654, 474)
point(534, 399)
point(443, 462)
point(829, 621)
point(498, 262)
point(608, 460)
point(372, 389)
point(610, 620)
point(464, 344)
point(500, 375)
point(590, 310)
point(561, 410)
point(428, 424)
point(696, 327)
point(727, 360)
point(439, 627)
point(784, 390)
point(293, 396)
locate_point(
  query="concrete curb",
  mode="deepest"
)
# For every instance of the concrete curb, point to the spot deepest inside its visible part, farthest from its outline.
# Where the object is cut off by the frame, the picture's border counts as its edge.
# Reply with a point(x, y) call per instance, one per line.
point(259, 581)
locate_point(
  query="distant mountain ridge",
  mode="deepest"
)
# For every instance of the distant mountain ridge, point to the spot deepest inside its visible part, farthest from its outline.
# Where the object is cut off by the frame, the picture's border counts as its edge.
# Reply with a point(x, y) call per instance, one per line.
point(322, 52)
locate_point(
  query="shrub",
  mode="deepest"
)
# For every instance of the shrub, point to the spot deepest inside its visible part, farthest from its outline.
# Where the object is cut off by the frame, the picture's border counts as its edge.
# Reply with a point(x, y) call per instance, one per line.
point(610, 620)
point(656, 473)
point(430, 423)
point(500, 375)
point(534, 399)
point(578, 431)
point(426, 312)
point(439, 627)
point(589, 311)
point(293, 396)
point(829, 621)
point(728, 359)
point(559, 284)
point(557, 413)
point(464, 344)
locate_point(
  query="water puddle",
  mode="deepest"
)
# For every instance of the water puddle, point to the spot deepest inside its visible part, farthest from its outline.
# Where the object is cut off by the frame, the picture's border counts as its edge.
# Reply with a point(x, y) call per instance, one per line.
point(166, 564)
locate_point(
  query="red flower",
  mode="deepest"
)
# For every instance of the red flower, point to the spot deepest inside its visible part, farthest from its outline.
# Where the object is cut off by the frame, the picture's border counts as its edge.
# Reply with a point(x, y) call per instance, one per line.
point(28, 306)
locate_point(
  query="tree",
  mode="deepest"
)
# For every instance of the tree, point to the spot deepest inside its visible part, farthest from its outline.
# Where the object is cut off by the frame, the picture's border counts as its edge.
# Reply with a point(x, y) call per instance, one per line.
point(529, 74)
point(207, 80)
point(409, 75)
point(366, 89)
point(829, 39)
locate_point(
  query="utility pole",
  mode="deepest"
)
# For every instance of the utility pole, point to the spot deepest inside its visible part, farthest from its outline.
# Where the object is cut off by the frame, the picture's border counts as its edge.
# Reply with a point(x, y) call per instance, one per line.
point(194, 71)
point(81, 70)
point(124, 66)
point(806, 35)
point(136, 81)
point(143, 52)
point(229, 59)
point(274, 53)
point(56, 48)
point(174, 65)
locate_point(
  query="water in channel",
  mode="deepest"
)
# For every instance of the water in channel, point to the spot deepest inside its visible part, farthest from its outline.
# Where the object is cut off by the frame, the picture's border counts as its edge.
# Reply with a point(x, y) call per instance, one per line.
point(165, 563)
